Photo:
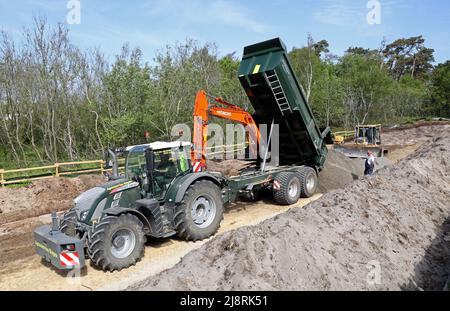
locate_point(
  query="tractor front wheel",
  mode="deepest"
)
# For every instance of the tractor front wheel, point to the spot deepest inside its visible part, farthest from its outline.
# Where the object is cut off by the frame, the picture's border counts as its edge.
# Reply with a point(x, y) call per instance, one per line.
point(68, 223)
point(116, 242)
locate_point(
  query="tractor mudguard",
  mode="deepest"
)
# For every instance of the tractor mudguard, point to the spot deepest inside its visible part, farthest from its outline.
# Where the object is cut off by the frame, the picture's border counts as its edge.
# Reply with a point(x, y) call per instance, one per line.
point(116, 211)
point(183, 184)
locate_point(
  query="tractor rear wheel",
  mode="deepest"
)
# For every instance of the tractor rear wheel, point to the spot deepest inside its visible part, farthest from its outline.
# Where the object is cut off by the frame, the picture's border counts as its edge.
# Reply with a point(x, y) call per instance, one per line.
point(199, 214)
point(308, 179)
point(286, 190)
point(68, 223)
point(116, 242)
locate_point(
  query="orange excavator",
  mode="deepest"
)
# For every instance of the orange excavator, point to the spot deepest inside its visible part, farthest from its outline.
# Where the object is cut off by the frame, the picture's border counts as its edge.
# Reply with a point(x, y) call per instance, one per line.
point(202, 111)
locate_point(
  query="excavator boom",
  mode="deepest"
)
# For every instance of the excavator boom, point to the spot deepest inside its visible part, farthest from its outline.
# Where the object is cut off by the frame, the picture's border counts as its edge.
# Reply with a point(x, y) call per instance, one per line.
point(203, 110)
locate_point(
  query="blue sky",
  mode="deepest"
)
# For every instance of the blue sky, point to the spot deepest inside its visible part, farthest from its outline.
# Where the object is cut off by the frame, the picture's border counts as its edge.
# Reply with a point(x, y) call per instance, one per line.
point(151, 24)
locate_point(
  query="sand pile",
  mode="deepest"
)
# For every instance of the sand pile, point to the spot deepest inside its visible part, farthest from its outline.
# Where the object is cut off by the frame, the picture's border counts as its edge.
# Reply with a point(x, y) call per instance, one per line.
point(22, 210)
point(43, 196)
point(384, 232)
point(338, 171)
point(413, 134)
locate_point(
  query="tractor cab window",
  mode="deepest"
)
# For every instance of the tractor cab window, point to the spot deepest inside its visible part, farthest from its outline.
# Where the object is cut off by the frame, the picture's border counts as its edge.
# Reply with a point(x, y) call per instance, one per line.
point(165, 164)
point(135, 165)
point(168, 164)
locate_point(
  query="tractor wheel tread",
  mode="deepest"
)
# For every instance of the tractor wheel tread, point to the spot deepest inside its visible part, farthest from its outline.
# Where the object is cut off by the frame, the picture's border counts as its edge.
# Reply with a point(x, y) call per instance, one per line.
point(68, 223)
point(185, 227)
point(97, 233)
point(99, 247)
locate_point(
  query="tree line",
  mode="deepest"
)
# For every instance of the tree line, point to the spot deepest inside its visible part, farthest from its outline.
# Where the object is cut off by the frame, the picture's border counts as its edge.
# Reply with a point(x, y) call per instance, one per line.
point(58, 102)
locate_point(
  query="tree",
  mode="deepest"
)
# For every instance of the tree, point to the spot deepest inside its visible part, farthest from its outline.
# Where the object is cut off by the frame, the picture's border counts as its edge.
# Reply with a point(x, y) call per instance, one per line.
point(357, 50)
point(440, 90)
point(365, 84)
point(304, 61)
point(409, 56)
point(321, 47)
point(58, 102)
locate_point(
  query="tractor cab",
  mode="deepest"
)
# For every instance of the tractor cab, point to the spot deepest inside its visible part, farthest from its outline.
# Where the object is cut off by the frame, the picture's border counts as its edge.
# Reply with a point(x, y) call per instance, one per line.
point(156, 165)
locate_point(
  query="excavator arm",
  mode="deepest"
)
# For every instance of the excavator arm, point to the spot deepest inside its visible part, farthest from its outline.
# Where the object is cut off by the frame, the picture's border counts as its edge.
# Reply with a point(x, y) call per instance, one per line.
point(203, 110)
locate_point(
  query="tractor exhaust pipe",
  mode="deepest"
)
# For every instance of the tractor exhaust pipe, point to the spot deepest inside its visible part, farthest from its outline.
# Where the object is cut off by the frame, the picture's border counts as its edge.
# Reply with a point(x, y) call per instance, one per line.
point(115, 166)
point(55, 222)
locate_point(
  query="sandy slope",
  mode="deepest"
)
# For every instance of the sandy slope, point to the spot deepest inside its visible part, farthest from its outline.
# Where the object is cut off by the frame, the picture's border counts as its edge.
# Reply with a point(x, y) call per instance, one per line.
point(384, 232)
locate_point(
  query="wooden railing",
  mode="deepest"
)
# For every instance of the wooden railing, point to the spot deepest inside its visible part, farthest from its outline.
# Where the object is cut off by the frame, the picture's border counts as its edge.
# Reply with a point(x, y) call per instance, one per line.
point(345, 134)
point(23, 175)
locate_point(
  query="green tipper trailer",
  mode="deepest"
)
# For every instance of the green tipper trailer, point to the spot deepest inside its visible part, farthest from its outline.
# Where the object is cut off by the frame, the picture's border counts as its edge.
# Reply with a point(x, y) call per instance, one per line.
point(275, 93)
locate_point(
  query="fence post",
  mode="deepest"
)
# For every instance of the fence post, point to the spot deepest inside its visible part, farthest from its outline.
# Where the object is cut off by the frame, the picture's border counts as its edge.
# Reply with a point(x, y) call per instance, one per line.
point(101, 166)
point(57, 169)
point(2, 180)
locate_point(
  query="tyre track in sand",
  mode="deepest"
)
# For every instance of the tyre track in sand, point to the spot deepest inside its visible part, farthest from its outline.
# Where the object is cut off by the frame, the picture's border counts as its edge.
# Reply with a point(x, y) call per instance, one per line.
point(31, 274)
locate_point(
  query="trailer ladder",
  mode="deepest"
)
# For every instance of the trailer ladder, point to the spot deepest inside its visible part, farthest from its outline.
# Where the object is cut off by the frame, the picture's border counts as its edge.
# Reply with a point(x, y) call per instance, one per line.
point(278, 92)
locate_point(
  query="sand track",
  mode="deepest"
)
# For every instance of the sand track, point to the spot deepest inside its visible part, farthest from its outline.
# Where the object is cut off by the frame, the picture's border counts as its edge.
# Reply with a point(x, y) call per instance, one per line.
point(31, 274)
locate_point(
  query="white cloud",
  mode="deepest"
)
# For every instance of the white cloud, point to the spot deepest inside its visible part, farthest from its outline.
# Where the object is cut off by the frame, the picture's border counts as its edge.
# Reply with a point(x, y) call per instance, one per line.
point(353, 13)
point(233, 15)
point(206, 12)
point(340, 13)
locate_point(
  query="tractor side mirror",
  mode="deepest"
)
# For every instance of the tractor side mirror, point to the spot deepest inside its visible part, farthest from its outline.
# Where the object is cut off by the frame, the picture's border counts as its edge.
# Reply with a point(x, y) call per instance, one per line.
point(150, 159)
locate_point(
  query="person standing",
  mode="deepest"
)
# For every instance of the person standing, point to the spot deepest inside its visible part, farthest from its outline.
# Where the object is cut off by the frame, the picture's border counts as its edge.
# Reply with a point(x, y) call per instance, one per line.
point(369, 165)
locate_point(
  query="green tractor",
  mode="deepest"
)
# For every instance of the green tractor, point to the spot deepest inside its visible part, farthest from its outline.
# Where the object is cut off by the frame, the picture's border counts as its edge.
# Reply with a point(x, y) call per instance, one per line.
point(159, 196)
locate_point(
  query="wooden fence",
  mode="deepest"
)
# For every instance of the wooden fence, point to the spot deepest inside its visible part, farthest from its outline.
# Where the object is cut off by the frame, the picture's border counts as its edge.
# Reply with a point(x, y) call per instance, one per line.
point(23, 175)
point(345, 134)
point(17, 176)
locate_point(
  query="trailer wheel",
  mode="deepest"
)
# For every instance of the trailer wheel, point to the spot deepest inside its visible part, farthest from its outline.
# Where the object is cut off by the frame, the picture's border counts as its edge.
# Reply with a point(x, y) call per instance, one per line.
point(116, 242)
point(287, 188)
point(308, 179)
point(200, 212)
point(68, 223)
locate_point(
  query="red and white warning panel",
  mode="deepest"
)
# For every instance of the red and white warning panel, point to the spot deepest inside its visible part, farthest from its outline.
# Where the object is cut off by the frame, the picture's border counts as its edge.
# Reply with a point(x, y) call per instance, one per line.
point(62, 251)
point(276, 185)
point(199, 167)
point(69, 259)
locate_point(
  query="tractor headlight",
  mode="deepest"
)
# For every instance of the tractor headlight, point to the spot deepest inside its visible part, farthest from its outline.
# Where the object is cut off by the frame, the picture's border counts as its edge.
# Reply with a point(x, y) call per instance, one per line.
point(84, 215)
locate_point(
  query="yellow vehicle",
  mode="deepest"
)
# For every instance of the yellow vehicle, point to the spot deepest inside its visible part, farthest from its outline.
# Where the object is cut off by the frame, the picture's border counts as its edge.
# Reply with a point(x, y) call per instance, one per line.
point(365, 138)
point(342, 136)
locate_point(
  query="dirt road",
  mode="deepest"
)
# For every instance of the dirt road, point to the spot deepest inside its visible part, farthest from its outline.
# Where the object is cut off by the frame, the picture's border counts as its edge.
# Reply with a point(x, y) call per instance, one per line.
point(30, 274)
point(403, 142)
